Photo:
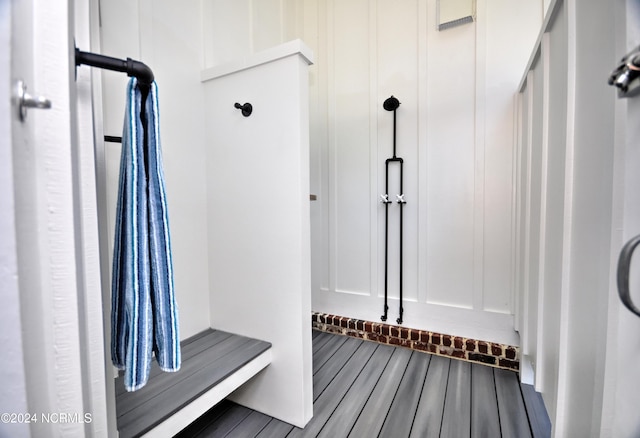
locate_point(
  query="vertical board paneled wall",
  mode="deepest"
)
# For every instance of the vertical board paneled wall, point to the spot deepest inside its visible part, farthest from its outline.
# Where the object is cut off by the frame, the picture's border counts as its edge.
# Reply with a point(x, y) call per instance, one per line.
point(454, 132)
point(566, 247)
point(542, 237)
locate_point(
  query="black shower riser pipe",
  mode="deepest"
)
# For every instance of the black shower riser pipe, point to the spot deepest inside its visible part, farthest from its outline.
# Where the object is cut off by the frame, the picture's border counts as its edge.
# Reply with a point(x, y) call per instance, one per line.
point(400, 200)
point(392, 104)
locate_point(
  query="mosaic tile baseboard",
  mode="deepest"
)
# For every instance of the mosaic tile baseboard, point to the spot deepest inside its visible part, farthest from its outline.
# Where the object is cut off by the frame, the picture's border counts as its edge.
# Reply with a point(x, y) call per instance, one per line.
point(472, 350)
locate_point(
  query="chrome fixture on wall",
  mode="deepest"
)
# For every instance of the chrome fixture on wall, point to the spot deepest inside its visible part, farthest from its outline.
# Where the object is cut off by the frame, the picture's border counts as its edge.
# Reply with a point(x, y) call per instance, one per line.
point(626, 75)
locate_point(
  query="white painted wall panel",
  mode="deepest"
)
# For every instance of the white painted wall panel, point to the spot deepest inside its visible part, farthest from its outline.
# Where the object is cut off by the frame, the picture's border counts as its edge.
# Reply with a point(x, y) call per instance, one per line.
point(259, 227)
point(238, 28)
point(318, 142)
point(534, 200)
point(624, 346)
point(592, 202)
point(524, 122)
point(46, 209)
point(349, 130)
point(267, 22)
point(454, 132)
point(227, 30)
point(547, 377)
point(504, 58)
point(620, 416)
point(14, 394)
point(119, 38)
point(397, 74)
point(575, 340)
point(450, 165)
point(174, 52)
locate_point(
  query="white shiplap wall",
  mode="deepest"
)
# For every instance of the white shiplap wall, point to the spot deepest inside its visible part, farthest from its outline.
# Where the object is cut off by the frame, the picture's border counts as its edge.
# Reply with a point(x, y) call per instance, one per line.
point(454, 131)
point(577, 205)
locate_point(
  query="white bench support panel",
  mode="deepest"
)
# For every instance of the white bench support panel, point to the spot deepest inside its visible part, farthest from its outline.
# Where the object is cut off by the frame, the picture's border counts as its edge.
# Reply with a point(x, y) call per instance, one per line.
point(214, 364)
point(259, 243)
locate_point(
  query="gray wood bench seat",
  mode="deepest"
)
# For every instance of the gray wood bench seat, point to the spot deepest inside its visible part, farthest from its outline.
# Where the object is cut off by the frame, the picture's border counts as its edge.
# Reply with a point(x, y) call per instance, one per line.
point(214, 364)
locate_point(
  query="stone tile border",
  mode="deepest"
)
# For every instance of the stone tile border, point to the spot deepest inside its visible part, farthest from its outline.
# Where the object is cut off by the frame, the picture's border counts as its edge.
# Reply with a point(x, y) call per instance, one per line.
point(472, 350)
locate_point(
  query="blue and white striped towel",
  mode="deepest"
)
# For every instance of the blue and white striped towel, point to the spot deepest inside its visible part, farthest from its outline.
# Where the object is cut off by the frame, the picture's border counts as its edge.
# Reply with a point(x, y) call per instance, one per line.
point(144, 315)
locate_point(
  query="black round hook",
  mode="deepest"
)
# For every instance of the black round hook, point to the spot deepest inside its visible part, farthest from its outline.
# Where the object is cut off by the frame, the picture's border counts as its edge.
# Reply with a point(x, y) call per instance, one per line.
point(247, 108)
point(391, 104)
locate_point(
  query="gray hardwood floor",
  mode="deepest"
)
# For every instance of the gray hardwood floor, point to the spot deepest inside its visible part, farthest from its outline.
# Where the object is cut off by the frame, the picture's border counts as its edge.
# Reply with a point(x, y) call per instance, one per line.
point(362, 389)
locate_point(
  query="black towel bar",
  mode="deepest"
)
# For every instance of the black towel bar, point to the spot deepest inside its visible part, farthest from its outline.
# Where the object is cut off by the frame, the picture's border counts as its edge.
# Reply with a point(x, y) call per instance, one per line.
point(129, 66)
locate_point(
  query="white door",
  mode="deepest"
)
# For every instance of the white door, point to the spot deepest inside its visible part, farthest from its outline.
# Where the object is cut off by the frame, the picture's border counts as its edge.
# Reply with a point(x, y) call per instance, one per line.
point(622, 378)
point(622, 375)
point(40, 229)
point(13, 397)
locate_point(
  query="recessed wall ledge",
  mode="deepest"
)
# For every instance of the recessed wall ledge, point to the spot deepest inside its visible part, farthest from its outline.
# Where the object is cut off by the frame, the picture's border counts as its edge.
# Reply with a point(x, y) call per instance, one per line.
point(294, 47)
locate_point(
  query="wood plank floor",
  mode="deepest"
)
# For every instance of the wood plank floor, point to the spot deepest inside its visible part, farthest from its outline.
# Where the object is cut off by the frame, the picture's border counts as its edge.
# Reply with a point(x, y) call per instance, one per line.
point(362, 389)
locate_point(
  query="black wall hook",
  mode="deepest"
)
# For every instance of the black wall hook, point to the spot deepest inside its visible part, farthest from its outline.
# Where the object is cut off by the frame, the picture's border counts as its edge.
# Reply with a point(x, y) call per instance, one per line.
point(247, 108)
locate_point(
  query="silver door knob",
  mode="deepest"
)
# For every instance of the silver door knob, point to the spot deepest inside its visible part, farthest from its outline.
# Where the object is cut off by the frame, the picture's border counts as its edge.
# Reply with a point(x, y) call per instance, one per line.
point(25, 100)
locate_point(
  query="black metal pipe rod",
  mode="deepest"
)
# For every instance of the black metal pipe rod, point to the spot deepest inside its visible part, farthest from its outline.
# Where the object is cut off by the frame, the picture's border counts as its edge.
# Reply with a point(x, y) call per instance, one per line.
point(129, 66)
point(392, 104)
point(112, 139)
point(386, 265)
point(394, 133)
point(401, 202)
point(386, 237)
point(386, 241)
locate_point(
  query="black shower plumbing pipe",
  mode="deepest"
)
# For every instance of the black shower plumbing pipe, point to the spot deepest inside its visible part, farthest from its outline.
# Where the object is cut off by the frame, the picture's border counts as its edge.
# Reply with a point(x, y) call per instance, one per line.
point(386, 202)
point(129, 66)
point(386, 237)
point(401, 201)
point(392, 104)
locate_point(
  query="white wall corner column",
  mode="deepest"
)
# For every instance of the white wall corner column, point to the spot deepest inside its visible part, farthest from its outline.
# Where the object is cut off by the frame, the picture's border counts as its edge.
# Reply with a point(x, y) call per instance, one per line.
point(259, 220)
point(572, 173)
